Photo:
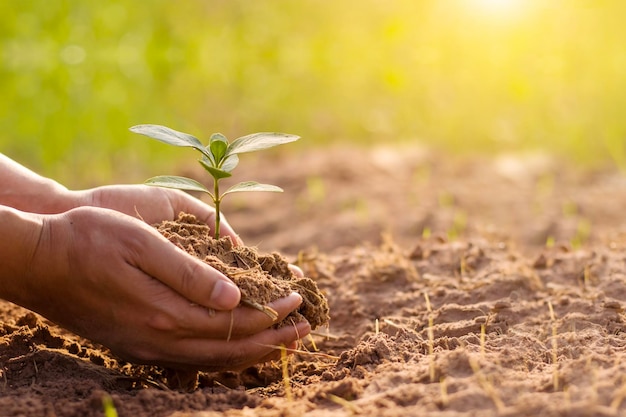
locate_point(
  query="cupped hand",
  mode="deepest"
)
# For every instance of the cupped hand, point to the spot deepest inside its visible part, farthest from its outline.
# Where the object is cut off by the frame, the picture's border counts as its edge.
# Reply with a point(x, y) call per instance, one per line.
point(155, 204)
point(151, 204)
point(115, 280)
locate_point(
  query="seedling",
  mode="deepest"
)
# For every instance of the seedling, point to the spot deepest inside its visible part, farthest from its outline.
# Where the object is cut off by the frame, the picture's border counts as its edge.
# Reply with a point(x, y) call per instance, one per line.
point(431, 338)
point(219, 158)
point(486, 384)
point(108, 406)
point(555, 349)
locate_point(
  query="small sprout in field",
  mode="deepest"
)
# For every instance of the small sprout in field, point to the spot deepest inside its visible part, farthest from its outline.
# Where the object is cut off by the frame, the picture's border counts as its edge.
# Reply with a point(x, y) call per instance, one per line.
point(583, 231)
point(316, 189)
point(459, 225)
point(570, 209)
point(443, 387)
point(555, 349)
point(219, 158)
point(108, 406)
point(431, 338)
point(446, 200)
point(352, 408)
point(486, 384)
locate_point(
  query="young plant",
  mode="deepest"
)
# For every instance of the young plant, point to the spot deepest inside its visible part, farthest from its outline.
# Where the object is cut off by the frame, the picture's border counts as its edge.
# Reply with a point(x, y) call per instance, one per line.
point(219, 158)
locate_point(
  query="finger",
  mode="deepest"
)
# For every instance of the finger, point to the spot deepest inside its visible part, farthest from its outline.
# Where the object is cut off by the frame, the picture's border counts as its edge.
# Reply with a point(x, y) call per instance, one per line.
point(185, 274)
point(296, 270)
point(213, 355)
point(195, 321)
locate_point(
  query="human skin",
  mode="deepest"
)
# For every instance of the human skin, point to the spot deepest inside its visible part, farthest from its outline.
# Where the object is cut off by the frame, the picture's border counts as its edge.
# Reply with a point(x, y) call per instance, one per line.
point(89, 261)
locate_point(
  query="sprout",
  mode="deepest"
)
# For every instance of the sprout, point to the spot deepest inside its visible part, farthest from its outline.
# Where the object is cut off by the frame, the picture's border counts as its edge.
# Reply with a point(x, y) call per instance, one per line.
point(219, 159)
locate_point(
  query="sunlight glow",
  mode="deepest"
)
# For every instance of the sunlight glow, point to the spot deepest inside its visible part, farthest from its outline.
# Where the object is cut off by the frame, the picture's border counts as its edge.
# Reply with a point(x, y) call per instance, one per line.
point(497, 8)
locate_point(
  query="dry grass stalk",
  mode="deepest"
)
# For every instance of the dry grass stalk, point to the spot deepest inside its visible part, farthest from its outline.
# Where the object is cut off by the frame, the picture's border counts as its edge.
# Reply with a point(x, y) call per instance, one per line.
point(483, 337)
point(302, 352)
point(619, 396)
point(352, 408)
point(431, 338)
point(269, 311)
point(326, 335)
point(392, 324)
point(284, 360)
point(313, 344)
point(486, 385)
point(555, 349)
point(443, 387)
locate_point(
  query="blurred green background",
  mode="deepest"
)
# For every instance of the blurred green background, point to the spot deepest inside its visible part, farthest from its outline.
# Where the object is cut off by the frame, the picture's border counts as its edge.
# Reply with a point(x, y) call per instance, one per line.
point(461, 75)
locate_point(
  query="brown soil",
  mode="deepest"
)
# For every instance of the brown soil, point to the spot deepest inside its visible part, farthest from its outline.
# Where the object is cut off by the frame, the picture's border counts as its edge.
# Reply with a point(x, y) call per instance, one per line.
point(261, 278)
point(444, 298)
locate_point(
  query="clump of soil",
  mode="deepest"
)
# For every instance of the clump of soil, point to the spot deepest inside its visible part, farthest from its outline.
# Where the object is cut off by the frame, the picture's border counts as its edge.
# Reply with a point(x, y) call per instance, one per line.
point(261, 278)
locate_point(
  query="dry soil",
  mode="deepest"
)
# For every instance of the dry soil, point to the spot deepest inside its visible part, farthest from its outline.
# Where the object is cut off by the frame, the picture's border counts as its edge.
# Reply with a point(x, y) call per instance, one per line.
point(490, 286)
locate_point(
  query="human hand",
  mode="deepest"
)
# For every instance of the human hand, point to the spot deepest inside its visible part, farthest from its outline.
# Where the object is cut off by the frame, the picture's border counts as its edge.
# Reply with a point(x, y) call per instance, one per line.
point(115, 280)
point(155, 204)
point(151, 204)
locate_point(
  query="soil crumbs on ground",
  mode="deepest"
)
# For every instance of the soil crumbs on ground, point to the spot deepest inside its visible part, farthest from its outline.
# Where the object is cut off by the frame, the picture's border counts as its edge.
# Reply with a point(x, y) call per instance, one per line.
point(444, 298)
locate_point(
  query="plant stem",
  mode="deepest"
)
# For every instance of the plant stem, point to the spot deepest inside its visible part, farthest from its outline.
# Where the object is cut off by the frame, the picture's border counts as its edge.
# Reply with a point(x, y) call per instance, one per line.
point(217, 199)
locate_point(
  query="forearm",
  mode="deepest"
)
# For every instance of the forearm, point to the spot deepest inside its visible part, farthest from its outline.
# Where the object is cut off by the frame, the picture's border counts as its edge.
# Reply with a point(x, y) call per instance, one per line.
point(20, 236)
point(25, 190)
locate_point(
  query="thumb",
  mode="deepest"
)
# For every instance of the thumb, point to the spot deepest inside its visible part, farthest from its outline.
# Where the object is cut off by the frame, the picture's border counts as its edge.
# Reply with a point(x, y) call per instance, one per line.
point(187, 275)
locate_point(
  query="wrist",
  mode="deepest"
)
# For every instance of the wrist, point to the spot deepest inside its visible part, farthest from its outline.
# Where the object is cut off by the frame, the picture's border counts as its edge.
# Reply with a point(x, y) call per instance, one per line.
point(44, 197)
point(27, 191)
point(55, 199)
point(20, 236)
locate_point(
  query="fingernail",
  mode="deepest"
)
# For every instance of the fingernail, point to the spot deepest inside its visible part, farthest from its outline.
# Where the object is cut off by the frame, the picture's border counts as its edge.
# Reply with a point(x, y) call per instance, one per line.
point(295, 294)
point(225, 295)
point(296, 270)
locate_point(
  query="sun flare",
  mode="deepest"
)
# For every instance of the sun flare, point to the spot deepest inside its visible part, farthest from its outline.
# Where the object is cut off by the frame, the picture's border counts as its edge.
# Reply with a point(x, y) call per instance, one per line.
point(496, 8)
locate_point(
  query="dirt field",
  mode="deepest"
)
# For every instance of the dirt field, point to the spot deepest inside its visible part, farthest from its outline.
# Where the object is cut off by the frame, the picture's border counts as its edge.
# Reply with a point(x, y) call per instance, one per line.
point(444, 298)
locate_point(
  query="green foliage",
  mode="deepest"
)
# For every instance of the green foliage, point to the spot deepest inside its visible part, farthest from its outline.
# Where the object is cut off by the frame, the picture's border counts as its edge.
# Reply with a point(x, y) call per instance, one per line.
point(73, 74)
point(219, 158)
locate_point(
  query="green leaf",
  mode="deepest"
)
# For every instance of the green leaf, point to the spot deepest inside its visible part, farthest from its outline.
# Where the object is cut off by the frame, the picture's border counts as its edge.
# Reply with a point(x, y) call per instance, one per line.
point(218, 145)
point(259, 141)
point(252, 186)
point(230, 163)
point(216, 173)
point(170, 136)
point(208, 160)
point(179, 183)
